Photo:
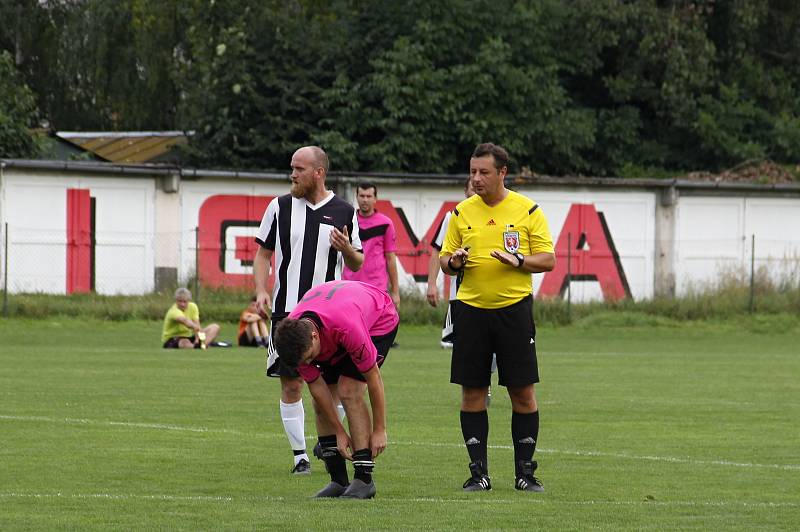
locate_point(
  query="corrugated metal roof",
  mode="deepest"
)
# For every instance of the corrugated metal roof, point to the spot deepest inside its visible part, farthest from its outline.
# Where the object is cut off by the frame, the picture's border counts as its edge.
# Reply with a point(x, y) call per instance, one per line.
point(126, 146)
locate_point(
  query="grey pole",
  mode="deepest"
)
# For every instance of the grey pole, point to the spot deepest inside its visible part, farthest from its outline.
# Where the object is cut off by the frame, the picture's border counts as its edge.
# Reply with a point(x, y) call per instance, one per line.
point(5, 274)
point(752, 272)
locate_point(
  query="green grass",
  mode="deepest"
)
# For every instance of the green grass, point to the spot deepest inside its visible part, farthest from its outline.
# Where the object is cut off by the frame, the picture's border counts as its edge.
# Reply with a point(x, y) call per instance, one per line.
point(652, 424)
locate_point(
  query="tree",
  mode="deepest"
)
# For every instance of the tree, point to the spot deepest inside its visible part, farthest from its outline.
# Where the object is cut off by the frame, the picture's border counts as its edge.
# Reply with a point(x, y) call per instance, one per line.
point(17, 112)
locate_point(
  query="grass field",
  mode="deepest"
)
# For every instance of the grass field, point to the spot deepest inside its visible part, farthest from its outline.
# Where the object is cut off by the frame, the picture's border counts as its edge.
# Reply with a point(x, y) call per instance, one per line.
point(643, 427)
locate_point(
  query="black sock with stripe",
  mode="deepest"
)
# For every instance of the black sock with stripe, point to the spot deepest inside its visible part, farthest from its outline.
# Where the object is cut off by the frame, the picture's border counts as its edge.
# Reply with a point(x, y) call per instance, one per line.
point(363, 465)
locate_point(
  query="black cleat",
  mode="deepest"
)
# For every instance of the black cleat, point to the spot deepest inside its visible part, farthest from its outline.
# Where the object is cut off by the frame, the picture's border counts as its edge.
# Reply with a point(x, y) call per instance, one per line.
point(479, 481)
point(526, 481)
point(334, 489)
point(303, 467)
point(358, 489)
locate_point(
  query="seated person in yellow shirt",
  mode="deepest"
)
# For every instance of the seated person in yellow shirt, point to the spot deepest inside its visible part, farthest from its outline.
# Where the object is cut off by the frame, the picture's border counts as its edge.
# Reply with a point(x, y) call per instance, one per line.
point(182, 327)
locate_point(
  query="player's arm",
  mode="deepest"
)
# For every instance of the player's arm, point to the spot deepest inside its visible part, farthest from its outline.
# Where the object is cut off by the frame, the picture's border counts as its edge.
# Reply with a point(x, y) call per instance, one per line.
point(377, 399)
point(391, 269)
point(536, 263)
point(433, 274)
point(261, 266)
point(324, 401)
point(186, 322)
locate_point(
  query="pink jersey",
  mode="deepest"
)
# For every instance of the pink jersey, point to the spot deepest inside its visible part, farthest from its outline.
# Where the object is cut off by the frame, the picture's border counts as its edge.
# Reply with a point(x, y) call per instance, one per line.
point(347, 314)
point(377, 238)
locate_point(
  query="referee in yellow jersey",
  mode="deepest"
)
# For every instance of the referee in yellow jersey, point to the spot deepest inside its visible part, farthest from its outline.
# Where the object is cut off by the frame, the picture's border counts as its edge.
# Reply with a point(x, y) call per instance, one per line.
point(495, 240)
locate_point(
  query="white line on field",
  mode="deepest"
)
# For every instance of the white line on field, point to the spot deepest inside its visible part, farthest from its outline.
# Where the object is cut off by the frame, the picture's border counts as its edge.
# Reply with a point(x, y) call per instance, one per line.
point(456, 500)
point(599, 454)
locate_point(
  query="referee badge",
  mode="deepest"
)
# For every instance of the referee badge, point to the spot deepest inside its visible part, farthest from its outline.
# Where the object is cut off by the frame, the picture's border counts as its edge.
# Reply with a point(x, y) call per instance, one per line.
point(511, 240)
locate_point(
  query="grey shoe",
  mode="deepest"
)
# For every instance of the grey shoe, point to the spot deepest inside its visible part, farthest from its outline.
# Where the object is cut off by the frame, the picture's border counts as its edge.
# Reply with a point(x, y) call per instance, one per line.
point(526, 481)
point(303, 467)
point(334, 489)
point(479, 481)
point(358, 489)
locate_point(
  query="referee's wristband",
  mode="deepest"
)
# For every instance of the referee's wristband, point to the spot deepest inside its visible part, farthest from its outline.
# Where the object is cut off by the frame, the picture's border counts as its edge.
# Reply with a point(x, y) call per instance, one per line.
point(453, 268)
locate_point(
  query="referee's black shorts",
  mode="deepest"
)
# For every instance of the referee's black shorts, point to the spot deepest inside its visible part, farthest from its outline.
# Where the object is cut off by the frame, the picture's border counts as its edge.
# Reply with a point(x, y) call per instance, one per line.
point(508, 332)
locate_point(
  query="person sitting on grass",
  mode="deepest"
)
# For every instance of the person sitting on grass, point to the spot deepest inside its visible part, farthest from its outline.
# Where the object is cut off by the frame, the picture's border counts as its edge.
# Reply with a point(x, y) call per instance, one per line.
point(253, 330)
point(182, 329)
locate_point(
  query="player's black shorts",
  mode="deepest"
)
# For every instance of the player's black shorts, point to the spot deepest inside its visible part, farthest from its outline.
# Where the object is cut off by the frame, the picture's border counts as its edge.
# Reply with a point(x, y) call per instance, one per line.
point(244, 341)
point(275, 367)
point(509, 332)
point(174, 342)
point(345, 366)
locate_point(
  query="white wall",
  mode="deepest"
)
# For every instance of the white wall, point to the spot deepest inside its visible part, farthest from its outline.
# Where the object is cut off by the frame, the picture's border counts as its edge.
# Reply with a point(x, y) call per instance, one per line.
point(140, 227)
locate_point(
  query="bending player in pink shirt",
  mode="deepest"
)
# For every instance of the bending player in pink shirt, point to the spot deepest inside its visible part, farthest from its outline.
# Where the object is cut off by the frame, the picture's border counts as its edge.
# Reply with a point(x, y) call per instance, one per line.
point(342, 331)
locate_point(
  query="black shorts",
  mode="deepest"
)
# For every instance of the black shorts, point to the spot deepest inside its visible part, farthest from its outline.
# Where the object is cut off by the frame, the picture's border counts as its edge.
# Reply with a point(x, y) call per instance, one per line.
point(509, 332)
point(345, 366)
point(173, 343)
point(244, 341)
point(277, 368)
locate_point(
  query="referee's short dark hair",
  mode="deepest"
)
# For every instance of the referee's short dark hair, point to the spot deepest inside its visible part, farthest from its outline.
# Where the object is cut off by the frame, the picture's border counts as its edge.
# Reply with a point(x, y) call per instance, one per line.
point(366, 185)
point(498, 152)
point(292, 340)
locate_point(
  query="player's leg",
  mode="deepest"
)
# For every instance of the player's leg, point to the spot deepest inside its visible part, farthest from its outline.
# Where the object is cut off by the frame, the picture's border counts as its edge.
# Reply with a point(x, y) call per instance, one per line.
point(518, 371)
point(471, 361)
point(525, 432)
point(326, 451)
point(293, 417)
point(351, 392)
point(186, 343)
point(211, 332)
point(262, 331)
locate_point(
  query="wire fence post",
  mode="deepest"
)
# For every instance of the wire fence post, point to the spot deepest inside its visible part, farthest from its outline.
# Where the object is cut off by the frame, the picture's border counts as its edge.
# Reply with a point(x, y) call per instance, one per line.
point(569, 277)
point(197, 264)
point(5, 273)
point(752, 272)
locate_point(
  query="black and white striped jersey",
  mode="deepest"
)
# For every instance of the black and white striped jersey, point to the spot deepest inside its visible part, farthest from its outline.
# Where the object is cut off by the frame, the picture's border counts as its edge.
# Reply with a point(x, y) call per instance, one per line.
point(298, 233)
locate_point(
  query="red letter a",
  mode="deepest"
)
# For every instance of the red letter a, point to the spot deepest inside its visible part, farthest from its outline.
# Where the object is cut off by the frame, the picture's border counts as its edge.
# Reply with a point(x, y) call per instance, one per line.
point(586, 228)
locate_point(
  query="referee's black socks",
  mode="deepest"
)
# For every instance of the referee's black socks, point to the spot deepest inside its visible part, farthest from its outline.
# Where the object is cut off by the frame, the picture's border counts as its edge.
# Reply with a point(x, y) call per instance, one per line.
point(334, 461)
point(525, 431)
point(475, 428)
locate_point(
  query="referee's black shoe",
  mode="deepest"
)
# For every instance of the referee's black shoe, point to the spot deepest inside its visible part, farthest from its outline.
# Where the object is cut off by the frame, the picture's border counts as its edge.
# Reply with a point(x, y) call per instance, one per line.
point(525, 479)
point(479, 481)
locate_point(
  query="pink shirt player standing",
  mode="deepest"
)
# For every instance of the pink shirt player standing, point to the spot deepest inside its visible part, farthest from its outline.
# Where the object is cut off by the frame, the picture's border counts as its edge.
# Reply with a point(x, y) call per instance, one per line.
point(378, 240)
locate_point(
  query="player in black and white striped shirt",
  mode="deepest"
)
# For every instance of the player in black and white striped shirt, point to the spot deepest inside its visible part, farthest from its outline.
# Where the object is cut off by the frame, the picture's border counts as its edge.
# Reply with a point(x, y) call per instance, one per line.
point(310, 231)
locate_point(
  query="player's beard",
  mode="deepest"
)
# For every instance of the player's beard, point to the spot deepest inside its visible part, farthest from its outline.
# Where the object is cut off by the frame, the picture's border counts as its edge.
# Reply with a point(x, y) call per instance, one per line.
point(300, 189)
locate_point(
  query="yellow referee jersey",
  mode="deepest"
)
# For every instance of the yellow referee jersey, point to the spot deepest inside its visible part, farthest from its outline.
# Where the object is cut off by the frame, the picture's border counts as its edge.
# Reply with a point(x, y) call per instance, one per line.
point(516, 224)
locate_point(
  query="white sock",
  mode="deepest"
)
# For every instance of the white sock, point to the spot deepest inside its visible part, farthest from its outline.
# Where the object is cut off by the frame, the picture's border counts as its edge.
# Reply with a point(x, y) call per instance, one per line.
point(340, 409)
point(294, 418)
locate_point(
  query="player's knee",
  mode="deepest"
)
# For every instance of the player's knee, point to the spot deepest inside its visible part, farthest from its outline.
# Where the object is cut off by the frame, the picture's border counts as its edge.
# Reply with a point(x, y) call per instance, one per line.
point(350, 390)
point(292, 390)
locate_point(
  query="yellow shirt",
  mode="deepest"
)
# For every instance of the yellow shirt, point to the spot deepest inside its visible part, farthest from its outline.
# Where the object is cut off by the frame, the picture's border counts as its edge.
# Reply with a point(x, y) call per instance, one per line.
point(517, 221)
point(174, 328)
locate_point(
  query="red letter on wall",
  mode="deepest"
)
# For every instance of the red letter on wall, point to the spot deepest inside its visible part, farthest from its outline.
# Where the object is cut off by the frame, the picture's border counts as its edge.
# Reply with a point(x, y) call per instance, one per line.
point(600, 262)
point(79, 240)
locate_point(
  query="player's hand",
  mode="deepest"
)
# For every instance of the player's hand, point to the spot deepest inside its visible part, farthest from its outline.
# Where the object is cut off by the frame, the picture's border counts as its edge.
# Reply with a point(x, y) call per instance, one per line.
point(396, 299)
point(344, 444)
point(432, 295)
point(505, 257)
point(340, 240)
point(377, 442)
point(263, 303)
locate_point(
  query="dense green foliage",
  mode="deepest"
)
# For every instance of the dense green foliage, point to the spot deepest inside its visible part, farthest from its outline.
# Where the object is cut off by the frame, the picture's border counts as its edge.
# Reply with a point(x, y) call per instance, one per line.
point(642, 428)
point(602, 87)
point(17, 112)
